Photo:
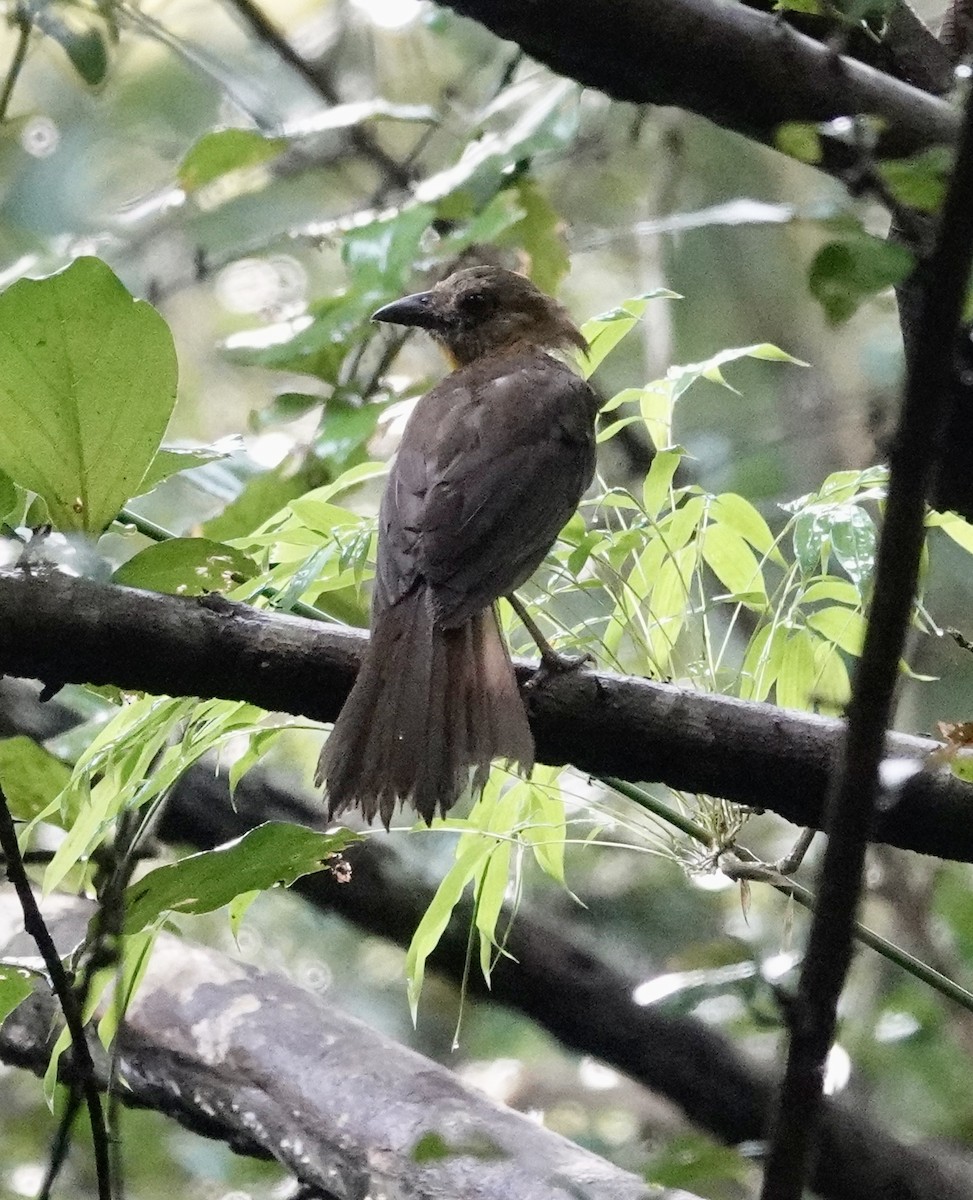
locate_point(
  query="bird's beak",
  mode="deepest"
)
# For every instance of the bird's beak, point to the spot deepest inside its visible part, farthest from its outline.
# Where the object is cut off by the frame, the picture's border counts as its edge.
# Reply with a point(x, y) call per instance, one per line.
point(418, 309)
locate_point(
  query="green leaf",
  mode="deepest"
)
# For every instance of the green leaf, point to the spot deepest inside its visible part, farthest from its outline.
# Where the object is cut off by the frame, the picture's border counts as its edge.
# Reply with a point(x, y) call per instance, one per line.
point(31, 778)
point(733, 563)
point(546, 827)
point(832, 688)
point(920, 181)
point(436, 917)
point(530, 117)
point(186, 566)
point(795, 679)
point(832, 588)
point(603, 333)
point(276, 852)
point(489, 901)
point(87, 384)
point(853, 539)
point(226, 150)
point(433, 1147)
point(83, 43)
point(741, 516)
point(762, 662)
point(345, 430)
point(669, 604)
point(955, 528)
point(846, 273)
point(843, 626)
point(170, 460)
point(15, 987)
point(683, 377)
point(262, 496)
point(800, 139)
point(540, 231)
point(9, 499)
point(656, 489)
point(380, 256)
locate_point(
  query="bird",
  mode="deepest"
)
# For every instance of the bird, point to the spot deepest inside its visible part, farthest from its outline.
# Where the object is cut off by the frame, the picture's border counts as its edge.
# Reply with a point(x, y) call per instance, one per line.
point(493, 462)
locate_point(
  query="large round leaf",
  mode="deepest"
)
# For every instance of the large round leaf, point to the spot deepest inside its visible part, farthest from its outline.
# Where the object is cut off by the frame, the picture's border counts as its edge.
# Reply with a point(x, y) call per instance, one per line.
point(87, 385)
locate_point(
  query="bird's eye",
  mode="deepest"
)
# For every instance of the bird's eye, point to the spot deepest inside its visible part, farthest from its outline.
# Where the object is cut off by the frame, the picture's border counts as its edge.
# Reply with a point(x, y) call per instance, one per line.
point(477, 304)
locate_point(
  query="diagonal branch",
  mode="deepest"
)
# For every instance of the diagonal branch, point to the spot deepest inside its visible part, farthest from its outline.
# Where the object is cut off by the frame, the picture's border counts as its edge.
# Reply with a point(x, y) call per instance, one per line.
point(62, 629)
point(250, 1058)
point(849, 811)
point(746, 70)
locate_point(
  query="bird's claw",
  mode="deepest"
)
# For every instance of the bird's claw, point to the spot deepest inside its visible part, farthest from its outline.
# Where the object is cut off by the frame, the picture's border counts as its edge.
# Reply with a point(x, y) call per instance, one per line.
point(554, 663)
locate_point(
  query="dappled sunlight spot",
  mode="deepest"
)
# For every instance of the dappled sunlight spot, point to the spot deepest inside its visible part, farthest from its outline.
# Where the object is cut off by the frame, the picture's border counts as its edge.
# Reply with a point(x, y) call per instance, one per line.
point(390, 14)
point(596, 1076)
point(254, 285)
point(617, 1127)
point(134, 212)
point(663, 986)
point(837, 1070)
point(277, 334)
point(270, 449)
point(40, 137)
point(711, 881)
point(26, 1179)
point(499, 1078)
point(776, 966)
point(893, 775)
point(720, 1010)
point(896, 1027)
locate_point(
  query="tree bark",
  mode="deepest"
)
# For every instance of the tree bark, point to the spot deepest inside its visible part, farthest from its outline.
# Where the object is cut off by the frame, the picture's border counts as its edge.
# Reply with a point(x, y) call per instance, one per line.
point(745, 70)
point(62, 629)
point(248, 1057)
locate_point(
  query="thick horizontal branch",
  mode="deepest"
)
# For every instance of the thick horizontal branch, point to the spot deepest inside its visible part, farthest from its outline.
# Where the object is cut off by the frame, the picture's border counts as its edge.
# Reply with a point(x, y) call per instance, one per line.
point(249, 1057)
point(62, 629)
point(746, 70)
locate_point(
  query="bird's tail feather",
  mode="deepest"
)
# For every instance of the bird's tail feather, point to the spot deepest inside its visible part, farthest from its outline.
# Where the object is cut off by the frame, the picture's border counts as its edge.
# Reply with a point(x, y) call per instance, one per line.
point(428, 705)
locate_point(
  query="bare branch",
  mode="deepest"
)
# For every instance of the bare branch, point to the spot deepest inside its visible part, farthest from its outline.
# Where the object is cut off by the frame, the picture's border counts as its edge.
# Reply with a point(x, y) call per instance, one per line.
point(250, 1058)
point(62, 629)
point(746, 70)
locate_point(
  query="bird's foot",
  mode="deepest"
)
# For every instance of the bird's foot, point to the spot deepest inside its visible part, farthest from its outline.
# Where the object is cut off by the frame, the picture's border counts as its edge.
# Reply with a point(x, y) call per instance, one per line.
point(553, 663)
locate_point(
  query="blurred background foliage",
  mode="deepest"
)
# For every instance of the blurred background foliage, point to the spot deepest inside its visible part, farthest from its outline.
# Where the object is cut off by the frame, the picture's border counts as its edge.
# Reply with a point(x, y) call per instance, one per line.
point(267, 196)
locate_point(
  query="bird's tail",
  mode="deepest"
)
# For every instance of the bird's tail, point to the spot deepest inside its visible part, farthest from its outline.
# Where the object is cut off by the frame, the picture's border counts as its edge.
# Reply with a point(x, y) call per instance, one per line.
point(428, 705)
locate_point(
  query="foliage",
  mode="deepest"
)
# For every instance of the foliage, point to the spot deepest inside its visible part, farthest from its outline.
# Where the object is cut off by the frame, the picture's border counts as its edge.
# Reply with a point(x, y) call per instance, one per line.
point(662, 575)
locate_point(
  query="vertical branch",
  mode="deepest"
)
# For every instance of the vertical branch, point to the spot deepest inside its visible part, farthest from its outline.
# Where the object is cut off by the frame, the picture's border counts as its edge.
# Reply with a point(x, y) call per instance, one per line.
point(851, 803)
point(23, 24)
point(35, 925)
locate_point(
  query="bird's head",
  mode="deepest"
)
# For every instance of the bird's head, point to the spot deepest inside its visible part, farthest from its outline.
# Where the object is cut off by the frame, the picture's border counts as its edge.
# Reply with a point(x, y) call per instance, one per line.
point(484, 310)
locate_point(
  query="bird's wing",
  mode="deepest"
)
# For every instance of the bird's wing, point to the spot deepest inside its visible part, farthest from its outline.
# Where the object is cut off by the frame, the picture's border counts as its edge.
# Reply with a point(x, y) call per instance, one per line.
point(492, 465)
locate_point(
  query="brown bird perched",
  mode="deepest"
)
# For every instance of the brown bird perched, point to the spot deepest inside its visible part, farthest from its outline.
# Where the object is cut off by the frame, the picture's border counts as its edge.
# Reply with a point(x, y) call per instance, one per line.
point(492, 464)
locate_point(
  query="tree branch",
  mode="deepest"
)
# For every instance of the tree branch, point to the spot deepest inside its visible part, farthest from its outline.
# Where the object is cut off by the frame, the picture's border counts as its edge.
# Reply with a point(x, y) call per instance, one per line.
point(746, 70)
point(252, 1059)
point(558, 975)
point(63, 629)
point(851, 803)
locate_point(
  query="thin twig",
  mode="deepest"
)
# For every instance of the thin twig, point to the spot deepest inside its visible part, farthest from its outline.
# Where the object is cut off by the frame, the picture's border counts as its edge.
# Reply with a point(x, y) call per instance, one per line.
point(36, 927)
point(319, 79)
point(23, 23)
point(740, 863)
point(851, 802)
point(61, 1144)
